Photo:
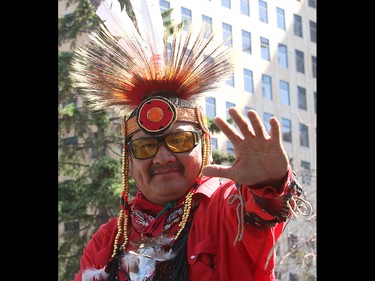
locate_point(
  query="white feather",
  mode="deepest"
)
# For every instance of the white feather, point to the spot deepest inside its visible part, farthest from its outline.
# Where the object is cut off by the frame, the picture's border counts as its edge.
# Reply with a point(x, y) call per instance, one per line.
point(91, 274)
point(118, 23)
point(150, 23)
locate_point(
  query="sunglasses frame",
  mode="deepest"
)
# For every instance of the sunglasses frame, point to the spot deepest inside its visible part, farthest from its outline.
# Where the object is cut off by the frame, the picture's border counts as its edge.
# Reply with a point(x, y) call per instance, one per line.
point(161, 140)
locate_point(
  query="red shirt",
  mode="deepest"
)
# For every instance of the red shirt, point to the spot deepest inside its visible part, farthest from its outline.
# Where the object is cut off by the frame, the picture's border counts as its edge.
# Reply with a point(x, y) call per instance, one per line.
point(212, 254)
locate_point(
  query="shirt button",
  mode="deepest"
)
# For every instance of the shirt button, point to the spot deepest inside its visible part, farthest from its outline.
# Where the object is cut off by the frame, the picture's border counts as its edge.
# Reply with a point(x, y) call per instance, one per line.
point(192, 257)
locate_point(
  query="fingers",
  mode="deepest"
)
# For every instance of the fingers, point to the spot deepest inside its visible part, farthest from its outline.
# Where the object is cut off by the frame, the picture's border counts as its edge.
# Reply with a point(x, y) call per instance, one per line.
point(275, 129)
point(257, 124)
point(242, 123)
point(228, 130)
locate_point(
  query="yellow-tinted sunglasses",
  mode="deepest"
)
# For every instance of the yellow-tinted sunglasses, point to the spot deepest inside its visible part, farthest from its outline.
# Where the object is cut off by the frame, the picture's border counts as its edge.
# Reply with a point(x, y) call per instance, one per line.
point(177, 142)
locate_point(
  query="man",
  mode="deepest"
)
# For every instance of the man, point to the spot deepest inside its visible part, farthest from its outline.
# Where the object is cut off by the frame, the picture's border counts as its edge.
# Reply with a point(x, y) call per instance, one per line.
point(190, 219)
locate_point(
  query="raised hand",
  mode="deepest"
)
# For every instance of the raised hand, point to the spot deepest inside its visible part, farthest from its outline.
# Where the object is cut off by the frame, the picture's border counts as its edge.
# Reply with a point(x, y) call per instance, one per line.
point(260, 158)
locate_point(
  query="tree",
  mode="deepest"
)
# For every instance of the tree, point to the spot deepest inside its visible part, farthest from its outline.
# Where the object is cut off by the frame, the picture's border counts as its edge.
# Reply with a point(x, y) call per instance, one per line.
point(89, 187)
point(89, 145)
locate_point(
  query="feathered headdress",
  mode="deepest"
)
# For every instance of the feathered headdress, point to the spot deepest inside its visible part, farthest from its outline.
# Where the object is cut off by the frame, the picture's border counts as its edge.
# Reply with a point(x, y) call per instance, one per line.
point(125, 63)
point(149, 78)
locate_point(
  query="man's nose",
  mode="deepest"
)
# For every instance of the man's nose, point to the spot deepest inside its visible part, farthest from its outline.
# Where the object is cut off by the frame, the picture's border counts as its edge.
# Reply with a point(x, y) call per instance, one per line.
point(164, 155)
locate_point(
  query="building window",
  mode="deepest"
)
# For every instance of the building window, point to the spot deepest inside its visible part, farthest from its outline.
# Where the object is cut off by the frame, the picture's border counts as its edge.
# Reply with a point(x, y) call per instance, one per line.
point(313, 31)
point(225, 3)
point(282, 56)
point(266, 120)
point(70, 140)
point(71, 226)
point(306, 172)
point(312, 3)
point(227, 34)
point(230, 80)
point(208, 26)
point(303, 135)
point(245, 8)
point(230, 148)
point(300, 64)
point(302, 100)
point(286, 129)
point(248, 80)
point(186, 17)
point(278, 275)
point(315, 103)
point(227, 106)
point(246, 109)
point(263, 17)
point(313, 63)
point(214, 144)
point(246, 41)
point(94, 149)
point(164, 5)
point(210, 107)
point(280, 13)
point(297, 25)
point(284, 92)
point(265, 48)
point(267, 86)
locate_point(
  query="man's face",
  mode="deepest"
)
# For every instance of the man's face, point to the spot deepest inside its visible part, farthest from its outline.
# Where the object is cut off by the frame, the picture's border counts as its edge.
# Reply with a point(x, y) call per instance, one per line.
point(167, 176)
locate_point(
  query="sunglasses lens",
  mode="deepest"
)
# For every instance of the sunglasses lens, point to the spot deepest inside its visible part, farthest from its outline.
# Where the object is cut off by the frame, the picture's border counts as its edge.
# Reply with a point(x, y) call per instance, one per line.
point(144, 148)
point(181, 141)
point(178, 142)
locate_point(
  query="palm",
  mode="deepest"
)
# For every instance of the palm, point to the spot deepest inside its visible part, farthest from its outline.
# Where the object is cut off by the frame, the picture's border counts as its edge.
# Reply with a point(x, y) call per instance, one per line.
point(260, 158)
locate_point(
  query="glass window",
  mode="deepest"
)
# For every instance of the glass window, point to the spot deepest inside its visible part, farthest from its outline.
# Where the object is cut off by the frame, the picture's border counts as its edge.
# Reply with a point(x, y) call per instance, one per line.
point(312, 3)
point(230, 148)
point(214, 144)
point(302, 101)
point(300, 64)
point(164, 5)
point(94, 149)
point(306, 172)
point(265, 48)
point(186, 17)
point(267, 86)
point(282, 56)
point(230, 80)
point(246, 109)
point(313, 62)
point(210, 107)
point(70, 140)
point(280, 13)
point(225, 3)
point(227, 34)
point(245, 9)
point(248, 80)
point(286, 129)
point(266, 121)
point(208, 21)
point(303, 135)
point(313, 31)
point(246, 41)
point(227, 106)
point(284, 92)
point(315, 102)
point(263, 17)
point(297, 25)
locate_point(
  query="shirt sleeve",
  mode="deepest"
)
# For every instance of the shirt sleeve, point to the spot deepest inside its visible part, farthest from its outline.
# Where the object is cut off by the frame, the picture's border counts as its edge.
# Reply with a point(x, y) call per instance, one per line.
point(265, 206)
point(98, 250)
